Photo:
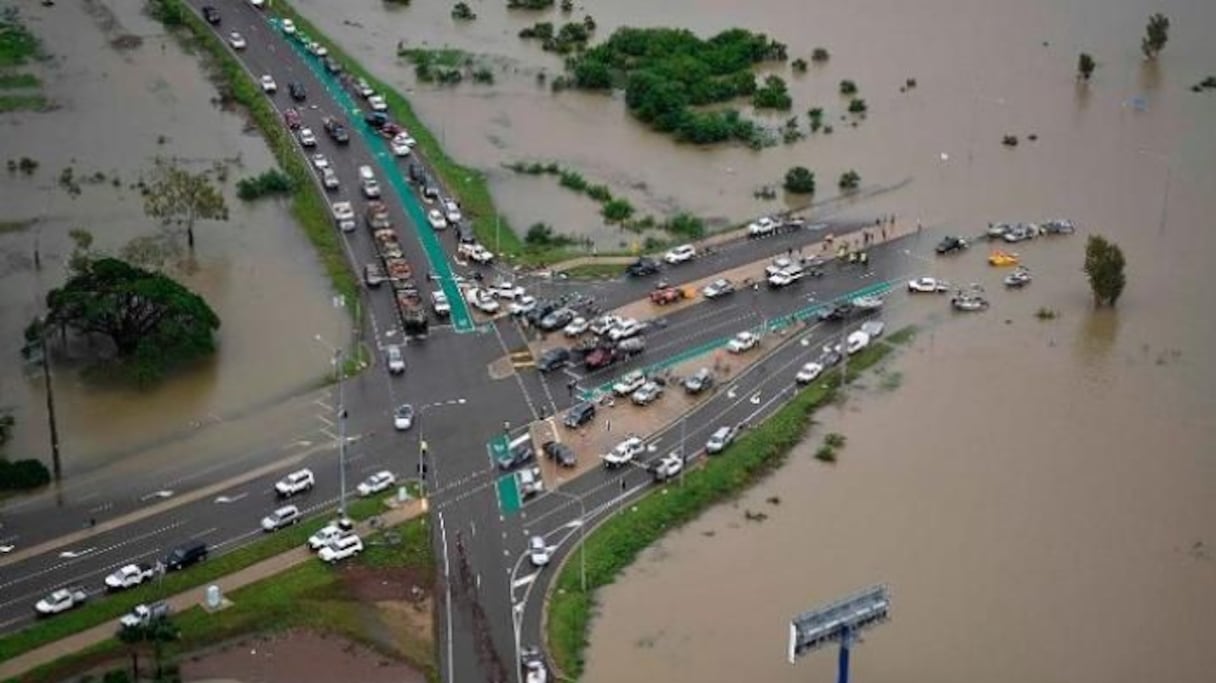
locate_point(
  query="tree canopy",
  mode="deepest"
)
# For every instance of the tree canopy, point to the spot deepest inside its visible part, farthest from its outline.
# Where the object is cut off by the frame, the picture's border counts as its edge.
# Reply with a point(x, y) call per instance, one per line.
point(153, 322)
point(1156, 33)
point(176, 196)
point(666, 72)
point(800, 180)
point(1104, 265)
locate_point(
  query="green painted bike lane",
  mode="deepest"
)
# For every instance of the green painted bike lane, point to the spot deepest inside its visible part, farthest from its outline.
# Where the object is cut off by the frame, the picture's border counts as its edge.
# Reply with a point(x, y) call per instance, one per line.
point(771, 326)
point(461, 320)
point(510, 500)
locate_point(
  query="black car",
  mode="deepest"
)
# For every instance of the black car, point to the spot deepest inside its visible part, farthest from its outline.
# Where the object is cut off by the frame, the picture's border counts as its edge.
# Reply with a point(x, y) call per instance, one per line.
point(518, 452)
point(185, 555)
point(376, 119)
point(699, 381)
point(951, 244)
point(212, 15)
point(297, 91)
point(642, 267)
point(553, 359)
point(841, 311)
point(579, 415)
point(829, 357)
point(337, 131)
point(560, 453)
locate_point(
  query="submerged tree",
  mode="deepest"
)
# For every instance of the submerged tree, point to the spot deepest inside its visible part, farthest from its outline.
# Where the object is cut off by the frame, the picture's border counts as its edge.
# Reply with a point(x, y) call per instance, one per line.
point(176, 196)
point(799, 180)
point(153, 322)
point(1155, 35)
point(1104, 265)
point(1085, 66)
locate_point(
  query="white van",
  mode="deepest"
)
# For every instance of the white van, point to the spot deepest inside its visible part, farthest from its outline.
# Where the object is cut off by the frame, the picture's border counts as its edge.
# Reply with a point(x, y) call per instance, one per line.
point(367, 179)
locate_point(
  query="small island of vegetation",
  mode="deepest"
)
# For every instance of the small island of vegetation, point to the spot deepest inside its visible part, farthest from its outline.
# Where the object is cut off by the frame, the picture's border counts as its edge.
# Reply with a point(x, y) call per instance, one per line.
point(667, 73)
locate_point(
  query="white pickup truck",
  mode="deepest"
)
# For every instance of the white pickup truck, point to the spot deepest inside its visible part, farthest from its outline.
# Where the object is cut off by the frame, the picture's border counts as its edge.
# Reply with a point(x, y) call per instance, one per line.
point(129, 576)
point(61, 600)
point(624, 452)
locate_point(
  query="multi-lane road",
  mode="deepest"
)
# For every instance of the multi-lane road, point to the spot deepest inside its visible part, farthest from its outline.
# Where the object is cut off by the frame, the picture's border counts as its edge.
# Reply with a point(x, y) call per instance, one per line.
point(136, 512)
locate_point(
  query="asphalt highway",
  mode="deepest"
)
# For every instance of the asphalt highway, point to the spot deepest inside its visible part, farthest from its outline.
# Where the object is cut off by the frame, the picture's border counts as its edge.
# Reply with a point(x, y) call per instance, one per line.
point(488, 606)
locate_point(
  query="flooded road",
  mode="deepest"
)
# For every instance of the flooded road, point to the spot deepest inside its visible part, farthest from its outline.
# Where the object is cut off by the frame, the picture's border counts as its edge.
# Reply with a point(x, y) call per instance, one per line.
point(118, 110)
point(1038, 494)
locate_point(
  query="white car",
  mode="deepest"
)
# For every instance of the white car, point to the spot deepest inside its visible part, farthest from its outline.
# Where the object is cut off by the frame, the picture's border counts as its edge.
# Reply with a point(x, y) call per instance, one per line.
point(629, 383)
point(744, 341)
point(538, 552)
point(808, 373)
point(718, 288)
point(296, 482)
point(874, 328)
point(523, 305)
point(341, 548)
point(506, 290)
point(371, 188)
point(289, 26)
point(308, 138)
point(396, 360)
point(364, 88)
point(628, 328)
point(779, 265)
point(667, 467)
point(258, 3)
point(329, 179)
point(786, 277)
point(436, 219)
point(439, 302)
point(320, 161)
point(483, 301)
point(856, 342)
point(329, 532)
point(268, 84)
point(343, 211)
point(284, 516)
point(403, 417)
point(680, 254)
point(399, 147)
point(451, 211)
point(237, 41)
point(404, 138)
point(475, 252)
point(576, 327)
point(318, 49)
point(624, 452)
point(144, 614)
point(720, 439)
point(605, 323)
point(129, 576)
point(647, 394)
point(380, 481)
point(377, 103)
point(61, 600)
point(762, 226)
point(928, 285)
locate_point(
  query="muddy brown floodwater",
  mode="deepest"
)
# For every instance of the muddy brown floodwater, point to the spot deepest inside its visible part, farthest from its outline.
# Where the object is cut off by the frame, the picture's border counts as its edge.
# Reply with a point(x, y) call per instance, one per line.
point(1039, 495)
point(256, 270)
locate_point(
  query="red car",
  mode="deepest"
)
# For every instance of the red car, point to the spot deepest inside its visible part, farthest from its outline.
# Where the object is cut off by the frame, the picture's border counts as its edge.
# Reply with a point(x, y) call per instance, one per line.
point(292, 117)
point(599, 358)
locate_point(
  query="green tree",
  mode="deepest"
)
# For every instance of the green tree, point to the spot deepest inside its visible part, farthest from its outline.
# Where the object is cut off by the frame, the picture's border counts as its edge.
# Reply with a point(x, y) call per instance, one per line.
point(848, 87)
point(176, 196)
point(7, 422)
point(462, 12)
point(799, 180)
point(1104, 267)
point(156, 632)
point(857, 106)
point(849, 180)
point(1085, 66)
point(820, 55)
point(799, 65)
point(1155, 35)
point(153, 322)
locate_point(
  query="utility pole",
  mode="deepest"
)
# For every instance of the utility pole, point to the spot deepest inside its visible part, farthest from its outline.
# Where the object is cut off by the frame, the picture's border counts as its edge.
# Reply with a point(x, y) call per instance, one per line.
point(341, 433)
point(56, 465)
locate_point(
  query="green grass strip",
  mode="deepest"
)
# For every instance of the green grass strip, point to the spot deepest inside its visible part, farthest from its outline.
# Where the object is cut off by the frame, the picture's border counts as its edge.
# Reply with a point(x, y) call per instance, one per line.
point(10, 103)
point(616, 543)
point(12, 81)
point(112, 607)
point(309, 208)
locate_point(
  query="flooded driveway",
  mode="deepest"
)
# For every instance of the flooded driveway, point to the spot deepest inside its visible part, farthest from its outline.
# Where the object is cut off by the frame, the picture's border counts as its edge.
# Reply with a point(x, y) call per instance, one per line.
point(1038, 494)
point(118, 108)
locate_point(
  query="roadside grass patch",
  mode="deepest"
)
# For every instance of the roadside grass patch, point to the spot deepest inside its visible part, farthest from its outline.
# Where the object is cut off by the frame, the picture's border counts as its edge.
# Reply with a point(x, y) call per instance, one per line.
point(10, 103)
point(14, 81)
point(589, 271)
point(17, 45)
point(614, 545)
point(114, 606)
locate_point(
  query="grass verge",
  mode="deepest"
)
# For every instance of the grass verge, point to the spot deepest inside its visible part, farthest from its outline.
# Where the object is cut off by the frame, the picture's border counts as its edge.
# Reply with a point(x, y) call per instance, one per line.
point(11, 81)
point(34, 102)
point(310, 595)
point(115, 606)
point(17, 45)
point(589, 271)
point(309, 208)
point(617, 542)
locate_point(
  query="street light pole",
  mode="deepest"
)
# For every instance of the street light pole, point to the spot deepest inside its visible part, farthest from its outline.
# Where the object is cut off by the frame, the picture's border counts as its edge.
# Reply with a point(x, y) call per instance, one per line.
point(340, 415)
